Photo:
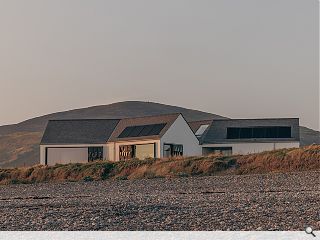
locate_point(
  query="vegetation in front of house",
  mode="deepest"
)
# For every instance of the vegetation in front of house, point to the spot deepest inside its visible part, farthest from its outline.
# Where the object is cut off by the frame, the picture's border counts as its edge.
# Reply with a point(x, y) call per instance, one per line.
point(285, 160)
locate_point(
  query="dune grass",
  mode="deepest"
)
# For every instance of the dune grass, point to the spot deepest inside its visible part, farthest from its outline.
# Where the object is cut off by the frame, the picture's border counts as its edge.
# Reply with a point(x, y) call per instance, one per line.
point(285, 160)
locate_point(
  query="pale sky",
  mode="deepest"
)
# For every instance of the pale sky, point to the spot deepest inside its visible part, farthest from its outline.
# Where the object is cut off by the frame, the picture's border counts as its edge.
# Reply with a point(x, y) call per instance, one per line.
point(236, 58)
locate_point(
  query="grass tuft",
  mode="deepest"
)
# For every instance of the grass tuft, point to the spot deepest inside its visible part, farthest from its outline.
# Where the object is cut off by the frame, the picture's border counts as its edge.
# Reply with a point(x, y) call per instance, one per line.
point(284, 160)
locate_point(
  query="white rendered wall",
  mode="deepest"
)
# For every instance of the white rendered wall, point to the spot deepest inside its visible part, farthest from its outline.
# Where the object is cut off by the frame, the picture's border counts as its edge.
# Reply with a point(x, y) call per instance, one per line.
point(246, 148)
point(67, 155)
point(76, 158)
point(42, 154)
point(110, 152)
point(180, 133)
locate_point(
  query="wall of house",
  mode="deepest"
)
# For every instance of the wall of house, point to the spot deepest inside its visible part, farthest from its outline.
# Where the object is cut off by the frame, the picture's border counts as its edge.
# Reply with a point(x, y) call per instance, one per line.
point(64, 154)
point(116, 147)
point(246, 148)
point(181, 133)
point(67, 155)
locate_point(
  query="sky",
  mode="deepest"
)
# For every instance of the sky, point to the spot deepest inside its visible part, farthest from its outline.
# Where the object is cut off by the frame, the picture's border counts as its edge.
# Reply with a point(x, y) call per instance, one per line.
point(236, 58)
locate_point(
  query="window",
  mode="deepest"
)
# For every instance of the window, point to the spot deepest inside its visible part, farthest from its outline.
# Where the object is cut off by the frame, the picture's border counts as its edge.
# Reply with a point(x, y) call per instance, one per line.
point(233, 133)
point(172, 150)
point(126, 152)
point(245, 132)
point(201, 130)
point(95, 154)
point(143, 130)
point(284, 132)
point(142, 151)
point(258, 132)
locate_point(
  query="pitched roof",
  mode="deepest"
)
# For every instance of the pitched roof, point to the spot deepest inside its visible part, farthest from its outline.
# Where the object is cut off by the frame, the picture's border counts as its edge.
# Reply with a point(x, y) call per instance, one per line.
point(82, 131)
point(167, 120)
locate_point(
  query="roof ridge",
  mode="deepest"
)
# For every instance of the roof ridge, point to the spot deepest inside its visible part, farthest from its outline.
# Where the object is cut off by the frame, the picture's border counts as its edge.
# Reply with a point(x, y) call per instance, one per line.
point(84, 119)
point(150, 116)
point(125, 118)
point(205, 120)
point(232, 119)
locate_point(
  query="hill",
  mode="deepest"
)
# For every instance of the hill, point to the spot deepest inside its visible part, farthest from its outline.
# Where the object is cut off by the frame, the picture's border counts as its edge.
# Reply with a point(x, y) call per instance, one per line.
point(284, 160)
point(19, 143)
point(115, 110)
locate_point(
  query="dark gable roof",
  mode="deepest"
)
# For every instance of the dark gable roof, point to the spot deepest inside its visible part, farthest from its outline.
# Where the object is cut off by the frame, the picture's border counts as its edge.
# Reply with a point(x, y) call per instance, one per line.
point(217, 131)
point(167, 119)
point(100, 131)
point(84, 131)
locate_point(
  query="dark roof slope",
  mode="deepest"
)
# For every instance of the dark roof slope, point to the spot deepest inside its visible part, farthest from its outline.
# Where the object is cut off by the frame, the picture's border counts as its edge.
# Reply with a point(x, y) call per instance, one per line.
point(217, 131)
point(84, 131)
point(167, 119)
point(197, 124)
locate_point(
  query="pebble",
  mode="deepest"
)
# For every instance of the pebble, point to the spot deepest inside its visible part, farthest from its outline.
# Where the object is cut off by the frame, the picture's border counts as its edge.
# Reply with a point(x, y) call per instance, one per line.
point(286, 202)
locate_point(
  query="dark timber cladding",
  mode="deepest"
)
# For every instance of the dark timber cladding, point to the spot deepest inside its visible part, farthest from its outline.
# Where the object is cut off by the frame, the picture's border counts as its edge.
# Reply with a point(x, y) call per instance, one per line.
point(144, 130)
point(249, 130)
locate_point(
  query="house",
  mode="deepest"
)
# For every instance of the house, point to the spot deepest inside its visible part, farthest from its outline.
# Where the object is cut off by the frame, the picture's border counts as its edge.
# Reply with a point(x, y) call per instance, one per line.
point(243, 136)
point(85, 140)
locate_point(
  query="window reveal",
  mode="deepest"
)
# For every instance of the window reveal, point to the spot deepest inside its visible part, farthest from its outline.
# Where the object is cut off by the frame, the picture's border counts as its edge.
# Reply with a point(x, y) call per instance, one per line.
point(95, 154)
point(126, 152)
point(141, 151)
point(258, 132)
point(172, 150)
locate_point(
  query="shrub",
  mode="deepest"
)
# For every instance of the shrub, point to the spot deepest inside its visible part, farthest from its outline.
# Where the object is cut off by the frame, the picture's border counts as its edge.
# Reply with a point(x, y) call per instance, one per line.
point(87, 179)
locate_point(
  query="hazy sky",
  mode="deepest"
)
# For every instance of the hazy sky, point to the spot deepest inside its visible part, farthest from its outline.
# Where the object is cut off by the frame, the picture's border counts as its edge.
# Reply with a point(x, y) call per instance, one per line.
point(237, 58)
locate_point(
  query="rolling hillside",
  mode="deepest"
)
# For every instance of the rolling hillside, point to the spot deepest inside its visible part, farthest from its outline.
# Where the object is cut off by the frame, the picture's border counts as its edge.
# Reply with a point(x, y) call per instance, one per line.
point(19, 142)
point(115, 110)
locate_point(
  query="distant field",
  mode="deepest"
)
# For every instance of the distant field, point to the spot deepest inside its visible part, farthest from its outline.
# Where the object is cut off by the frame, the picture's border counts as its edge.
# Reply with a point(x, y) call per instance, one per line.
point(285, 160)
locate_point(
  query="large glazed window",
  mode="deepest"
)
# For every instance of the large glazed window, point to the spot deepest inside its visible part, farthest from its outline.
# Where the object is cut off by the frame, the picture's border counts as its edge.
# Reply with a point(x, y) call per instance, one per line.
point(258, 132)
point(142, 151)
point(142, 131)
point(172, 150)
point(95, 154)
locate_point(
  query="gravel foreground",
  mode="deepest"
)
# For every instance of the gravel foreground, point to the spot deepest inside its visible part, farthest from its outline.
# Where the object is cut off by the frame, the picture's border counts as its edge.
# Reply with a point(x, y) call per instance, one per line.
point(251, 202)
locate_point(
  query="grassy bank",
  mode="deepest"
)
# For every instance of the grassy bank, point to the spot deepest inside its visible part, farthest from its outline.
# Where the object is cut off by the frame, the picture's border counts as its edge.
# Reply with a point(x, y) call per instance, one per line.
point(286, 160)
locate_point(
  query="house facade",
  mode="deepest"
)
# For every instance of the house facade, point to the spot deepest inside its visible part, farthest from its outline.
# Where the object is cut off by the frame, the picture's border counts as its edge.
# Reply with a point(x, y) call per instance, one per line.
point(70, 141)
point(244, 136)
point(164, 136)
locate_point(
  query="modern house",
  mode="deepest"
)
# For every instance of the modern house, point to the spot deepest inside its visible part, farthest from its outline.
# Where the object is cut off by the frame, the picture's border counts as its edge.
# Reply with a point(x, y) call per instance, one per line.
point(243, 136)
point(70, 141)
point(85, 140)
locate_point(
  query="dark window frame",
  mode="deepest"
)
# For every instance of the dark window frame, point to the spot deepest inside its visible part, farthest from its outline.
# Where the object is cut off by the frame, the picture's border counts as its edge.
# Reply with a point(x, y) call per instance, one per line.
point(142, 130)
point(267, 132)
point(95, 153)
point(133, 150)
point(172, 152)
